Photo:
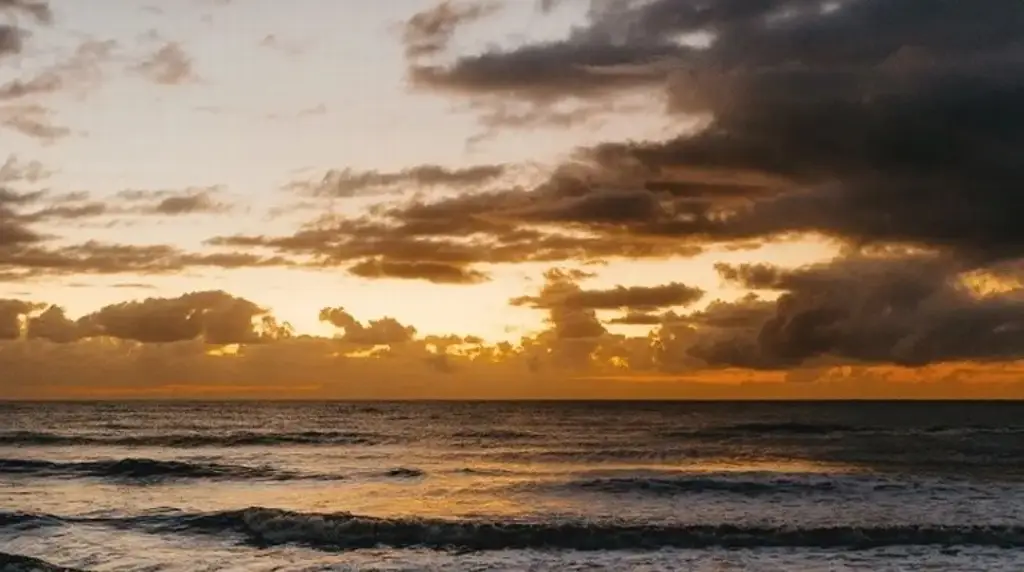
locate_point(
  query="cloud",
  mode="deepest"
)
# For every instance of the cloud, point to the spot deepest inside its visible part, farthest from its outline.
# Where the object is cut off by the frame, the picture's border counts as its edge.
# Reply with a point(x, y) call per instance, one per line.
point(80, 205)
point(53, 325)
point(23, 112)
point(561, 219)
point(428, 33)
point(215, 317)
point(436, 272)
point(910, 310)
point(347, 183)
point(32, 120)
point(21, 257)
point(11, 312)
point(169, 65)
point(204, 342)
point(637, 319)
point(43, 83)
point(10, 39)
point(189, 204)
point(11, 34)
point(37, 9)
point(81, 69)
point(848, 138)
point(620, 297)
point(26, 252)
point(15, 170)
point(384, 331)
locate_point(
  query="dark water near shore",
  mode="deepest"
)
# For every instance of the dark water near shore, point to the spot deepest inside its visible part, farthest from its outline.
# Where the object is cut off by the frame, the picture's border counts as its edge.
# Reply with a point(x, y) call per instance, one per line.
point(512, 486)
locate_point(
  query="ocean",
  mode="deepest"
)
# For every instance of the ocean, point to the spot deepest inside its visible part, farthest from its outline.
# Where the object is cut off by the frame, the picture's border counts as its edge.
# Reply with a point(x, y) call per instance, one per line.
point(879, 486)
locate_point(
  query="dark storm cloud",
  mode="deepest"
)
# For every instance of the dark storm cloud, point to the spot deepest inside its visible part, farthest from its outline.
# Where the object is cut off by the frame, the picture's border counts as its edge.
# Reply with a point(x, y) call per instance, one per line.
point(436, 272)
point(620, 297)
point(879, 121)
point(909, 310)
point(384, 331)
point(351, 183)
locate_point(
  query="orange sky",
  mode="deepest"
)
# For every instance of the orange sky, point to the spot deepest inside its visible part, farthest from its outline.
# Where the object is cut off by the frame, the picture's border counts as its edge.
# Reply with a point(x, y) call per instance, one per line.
point(499, 199)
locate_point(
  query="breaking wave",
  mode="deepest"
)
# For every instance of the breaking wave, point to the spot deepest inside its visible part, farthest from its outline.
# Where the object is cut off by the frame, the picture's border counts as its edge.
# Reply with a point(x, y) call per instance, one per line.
point(343, 531)
point(16, 563)
point(142, 469)
point(184, 440)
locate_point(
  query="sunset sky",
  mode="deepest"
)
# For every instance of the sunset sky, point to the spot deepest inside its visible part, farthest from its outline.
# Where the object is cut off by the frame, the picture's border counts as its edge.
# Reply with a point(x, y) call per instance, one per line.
point(511, 199)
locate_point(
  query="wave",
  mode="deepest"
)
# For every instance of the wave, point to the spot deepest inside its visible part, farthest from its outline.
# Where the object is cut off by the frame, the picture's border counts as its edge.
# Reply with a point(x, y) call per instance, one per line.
point(496, 434)
point(16, 563)
point(264, 526)
point(25, 520)
point(793, 428)
point(780, 428)
point(404, 473)
point(143, 469)
point(343, 531)
point(681, 485)
point(185, 440)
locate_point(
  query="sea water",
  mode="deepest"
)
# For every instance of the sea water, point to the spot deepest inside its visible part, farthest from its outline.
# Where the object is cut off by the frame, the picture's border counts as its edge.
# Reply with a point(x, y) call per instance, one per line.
point(512, 486)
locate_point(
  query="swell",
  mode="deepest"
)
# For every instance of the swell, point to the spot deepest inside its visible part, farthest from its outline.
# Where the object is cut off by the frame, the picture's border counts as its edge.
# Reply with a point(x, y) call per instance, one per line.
point(143, 470)
point(793, 428)
point(16, 563)
point(342, 531)
point(184, 440)
point(683, 485)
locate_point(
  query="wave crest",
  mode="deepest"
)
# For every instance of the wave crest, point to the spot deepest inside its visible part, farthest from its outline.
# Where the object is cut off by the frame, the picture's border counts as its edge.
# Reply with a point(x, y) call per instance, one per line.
point(16, 563)
point(187, 440)
point(344, 531)
point(141, 469)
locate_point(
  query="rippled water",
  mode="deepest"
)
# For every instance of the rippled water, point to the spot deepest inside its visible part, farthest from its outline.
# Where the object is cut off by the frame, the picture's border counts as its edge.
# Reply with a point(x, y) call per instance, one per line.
point(513, 486)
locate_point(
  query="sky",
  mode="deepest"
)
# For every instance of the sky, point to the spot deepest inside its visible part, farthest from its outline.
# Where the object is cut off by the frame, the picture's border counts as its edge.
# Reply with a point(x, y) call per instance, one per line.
point(511, 199)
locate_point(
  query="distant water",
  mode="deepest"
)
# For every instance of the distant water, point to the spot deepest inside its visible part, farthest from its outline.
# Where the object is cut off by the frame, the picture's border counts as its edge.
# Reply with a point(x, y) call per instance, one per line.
point(512, 486)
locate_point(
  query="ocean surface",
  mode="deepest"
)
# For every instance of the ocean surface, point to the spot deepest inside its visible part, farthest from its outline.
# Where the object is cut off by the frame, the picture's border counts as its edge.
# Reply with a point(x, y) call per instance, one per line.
point(512, 486)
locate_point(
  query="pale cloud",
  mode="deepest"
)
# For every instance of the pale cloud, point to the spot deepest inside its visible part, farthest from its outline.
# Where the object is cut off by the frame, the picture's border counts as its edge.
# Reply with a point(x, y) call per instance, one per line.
point(169, 65)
